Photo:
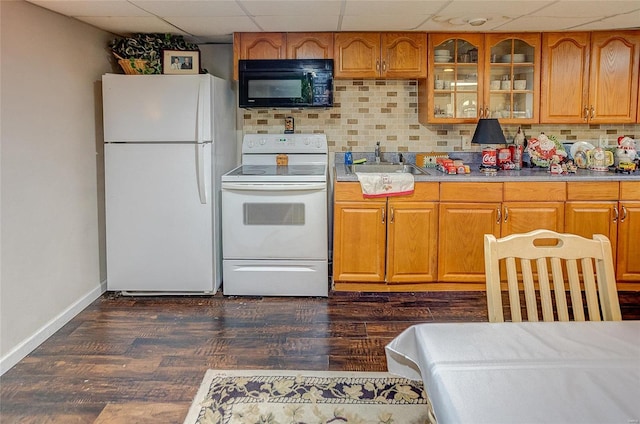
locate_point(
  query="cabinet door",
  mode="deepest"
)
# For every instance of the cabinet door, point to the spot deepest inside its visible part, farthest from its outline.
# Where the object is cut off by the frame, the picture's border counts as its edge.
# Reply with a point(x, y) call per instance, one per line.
point(628, 263)
point(258, 45)
point(513, 63)
point(461, 240)
point(412, 234)
point(403, 55)
point(359, 241)
point(262, 45)
point(309, 45)
point(452, 92)
point(613, 84)
point(564, 77)
point(356, 55)
point(522, 217)
point(588, 218)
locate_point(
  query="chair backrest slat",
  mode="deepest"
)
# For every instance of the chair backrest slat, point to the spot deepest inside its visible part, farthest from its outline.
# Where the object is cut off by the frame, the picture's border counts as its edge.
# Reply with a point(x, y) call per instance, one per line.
point(543, 272)
point(559, 289)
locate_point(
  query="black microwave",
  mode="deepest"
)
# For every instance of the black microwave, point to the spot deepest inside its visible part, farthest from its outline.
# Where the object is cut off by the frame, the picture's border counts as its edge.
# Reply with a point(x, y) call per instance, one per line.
point(286, 83)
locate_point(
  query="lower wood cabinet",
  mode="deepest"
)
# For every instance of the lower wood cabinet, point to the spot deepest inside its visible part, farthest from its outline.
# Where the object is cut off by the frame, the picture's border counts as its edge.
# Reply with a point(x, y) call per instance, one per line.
point(628, 264)
point(436, 236)
point(385, 240)
point(468, 211)
point(611, 208)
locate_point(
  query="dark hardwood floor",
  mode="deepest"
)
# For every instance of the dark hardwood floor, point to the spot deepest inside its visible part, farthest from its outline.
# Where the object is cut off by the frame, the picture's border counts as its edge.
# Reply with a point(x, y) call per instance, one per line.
point(141, 360)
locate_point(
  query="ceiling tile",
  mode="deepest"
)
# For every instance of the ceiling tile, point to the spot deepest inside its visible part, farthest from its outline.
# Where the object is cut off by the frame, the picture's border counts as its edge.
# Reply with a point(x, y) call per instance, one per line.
point(92, 8)
point(292, 8)
point(124, 25)
point(626, 21)
point(391, 7)
point(202, 26)
point(474, 9)
point(530, 23)
point(581, 9)
point(200, 8)
point(298, 23)
point(383, 23)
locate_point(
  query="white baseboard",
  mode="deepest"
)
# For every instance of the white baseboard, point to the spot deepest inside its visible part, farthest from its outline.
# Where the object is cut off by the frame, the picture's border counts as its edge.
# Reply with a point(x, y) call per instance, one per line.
point(46, 331)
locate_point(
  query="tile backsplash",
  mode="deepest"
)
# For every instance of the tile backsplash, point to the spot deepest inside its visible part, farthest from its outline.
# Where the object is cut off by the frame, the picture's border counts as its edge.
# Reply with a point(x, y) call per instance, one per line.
point(366, 111)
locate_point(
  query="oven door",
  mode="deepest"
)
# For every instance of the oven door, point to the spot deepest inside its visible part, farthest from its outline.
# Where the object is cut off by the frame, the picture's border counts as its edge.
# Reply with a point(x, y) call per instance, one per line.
point(274, 221)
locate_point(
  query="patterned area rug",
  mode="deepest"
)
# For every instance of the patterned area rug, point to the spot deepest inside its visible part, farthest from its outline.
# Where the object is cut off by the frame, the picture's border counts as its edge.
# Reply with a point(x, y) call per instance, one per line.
point(306, 397)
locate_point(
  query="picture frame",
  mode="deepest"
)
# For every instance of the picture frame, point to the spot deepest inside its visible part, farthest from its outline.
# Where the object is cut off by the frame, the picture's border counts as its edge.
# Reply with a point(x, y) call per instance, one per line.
point(181, 62)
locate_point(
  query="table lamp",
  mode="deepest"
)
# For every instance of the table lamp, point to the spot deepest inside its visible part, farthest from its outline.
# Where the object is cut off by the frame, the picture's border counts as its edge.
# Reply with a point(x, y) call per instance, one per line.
point(489, 131)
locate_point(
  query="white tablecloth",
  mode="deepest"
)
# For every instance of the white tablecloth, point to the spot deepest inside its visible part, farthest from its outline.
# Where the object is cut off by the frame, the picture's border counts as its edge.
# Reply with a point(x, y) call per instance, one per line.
point(531, 372)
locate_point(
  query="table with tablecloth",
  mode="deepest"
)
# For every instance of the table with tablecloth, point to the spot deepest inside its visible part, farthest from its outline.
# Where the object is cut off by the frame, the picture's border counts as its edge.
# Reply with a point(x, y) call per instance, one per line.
point(531, 372)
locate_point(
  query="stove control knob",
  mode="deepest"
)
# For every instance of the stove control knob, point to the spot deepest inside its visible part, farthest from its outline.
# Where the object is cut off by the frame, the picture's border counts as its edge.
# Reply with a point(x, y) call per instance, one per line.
point(306, 141)
point(250, 143)
point(263, 141)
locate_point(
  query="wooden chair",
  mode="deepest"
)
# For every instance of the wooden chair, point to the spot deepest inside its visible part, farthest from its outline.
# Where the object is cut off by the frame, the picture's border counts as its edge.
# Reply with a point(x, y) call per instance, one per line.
point(529, 255)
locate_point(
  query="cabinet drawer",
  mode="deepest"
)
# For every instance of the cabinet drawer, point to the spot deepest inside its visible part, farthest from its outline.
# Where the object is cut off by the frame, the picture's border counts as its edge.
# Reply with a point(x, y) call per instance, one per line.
point(351, 191)
point(471, 192)
point(535, 192)
point(593, 190)
point(629, 190)
point(422, 192)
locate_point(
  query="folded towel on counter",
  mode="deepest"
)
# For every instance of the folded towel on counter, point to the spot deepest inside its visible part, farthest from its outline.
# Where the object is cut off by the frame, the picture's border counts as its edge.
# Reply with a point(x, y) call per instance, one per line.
point(385, 184)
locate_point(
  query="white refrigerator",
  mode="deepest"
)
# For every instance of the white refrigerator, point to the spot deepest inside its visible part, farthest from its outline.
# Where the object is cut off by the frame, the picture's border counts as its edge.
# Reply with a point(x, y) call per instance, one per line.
point(168, 140)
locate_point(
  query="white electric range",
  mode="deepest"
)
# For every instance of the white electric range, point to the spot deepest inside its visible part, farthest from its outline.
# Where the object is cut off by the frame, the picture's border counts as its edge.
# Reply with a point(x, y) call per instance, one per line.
point(274, 217)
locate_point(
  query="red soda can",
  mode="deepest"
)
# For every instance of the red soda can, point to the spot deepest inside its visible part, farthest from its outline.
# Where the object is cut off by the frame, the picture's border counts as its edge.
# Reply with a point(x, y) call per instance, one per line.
point(504, 155)
point(516, 154)
point(489, 156)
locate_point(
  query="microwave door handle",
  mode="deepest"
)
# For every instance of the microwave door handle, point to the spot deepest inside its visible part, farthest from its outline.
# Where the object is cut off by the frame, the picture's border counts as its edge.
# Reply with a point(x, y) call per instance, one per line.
point(274, 187)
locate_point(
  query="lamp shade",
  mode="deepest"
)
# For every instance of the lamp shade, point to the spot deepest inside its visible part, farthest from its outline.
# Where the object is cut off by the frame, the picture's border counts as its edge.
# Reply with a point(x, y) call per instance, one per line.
point(488, 131)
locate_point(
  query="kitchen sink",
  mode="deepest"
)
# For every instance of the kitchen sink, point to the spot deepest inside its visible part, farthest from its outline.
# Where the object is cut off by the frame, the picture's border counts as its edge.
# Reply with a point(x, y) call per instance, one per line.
point(389, 168)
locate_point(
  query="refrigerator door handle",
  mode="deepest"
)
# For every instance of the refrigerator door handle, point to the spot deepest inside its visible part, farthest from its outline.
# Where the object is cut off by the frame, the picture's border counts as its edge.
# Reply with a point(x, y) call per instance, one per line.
point(200, 117)
point(202, 182)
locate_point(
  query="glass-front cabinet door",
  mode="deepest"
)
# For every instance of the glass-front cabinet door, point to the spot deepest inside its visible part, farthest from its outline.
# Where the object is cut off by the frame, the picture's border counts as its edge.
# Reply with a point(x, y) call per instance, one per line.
point(453, 90)
point(512, 77)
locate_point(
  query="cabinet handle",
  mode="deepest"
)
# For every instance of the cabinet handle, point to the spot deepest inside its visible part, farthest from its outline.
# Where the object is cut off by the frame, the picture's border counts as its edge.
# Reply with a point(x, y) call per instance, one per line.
point(585, 113)
point(486, 112)
point(384, 217)
point(391, 216)
point(377, 65)
point(593, 112)
point(384, 66)
point(499, 215)
point(506, 214)
point(624, 214)
point(481, 113)
point(615, 214)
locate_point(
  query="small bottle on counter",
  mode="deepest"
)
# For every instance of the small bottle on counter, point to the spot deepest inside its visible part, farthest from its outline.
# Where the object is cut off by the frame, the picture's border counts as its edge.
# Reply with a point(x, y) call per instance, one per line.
point(348, 157)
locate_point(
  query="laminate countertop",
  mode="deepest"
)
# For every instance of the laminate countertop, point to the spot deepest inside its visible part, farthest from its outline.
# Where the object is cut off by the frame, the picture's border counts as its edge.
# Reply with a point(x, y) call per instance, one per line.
point(526, 174)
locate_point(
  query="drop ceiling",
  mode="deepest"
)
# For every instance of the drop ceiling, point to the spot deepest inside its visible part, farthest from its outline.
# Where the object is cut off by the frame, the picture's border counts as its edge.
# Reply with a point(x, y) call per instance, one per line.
point(214, 21)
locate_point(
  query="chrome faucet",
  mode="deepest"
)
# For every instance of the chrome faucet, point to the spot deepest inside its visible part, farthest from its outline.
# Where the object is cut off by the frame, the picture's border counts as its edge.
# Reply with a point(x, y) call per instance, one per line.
point(377, 152)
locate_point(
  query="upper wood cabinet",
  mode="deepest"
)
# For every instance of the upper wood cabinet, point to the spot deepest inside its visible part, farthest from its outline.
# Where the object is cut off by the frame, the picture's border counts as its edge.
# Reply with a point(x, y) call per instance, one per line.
point(309, 45)
point(280, 45)
point(453, 89)
point(590, 77)
point(380, 55)
point(475, 76)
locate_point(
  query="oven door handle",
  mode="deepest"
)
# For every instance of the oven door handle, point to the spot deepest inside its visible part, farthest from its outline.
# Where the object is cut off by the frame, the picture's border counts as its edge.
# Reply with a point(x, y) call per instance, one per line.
point(274, 187)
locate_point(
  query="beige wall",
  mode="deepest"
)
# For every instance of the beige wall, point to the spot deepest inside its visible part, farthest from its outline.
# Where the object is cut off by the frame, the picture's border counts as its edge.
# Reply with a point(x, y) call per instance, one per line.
point(386, 111)
point(51, 189)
